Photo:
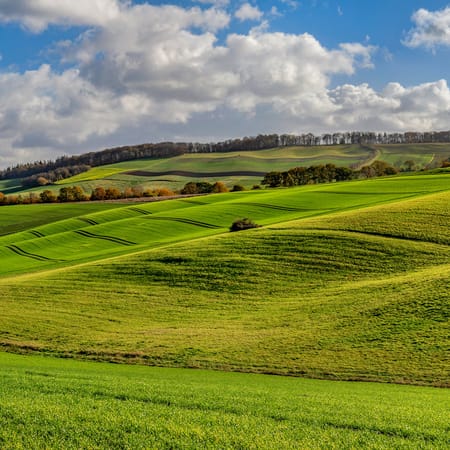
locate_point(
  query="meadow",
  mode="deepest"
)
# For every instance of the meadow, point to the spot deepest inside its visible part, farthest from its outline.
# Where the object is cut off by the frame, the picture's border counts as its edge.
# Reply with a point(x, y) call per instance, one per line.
point(345, 281)
point(48, 403)
point(246, 168)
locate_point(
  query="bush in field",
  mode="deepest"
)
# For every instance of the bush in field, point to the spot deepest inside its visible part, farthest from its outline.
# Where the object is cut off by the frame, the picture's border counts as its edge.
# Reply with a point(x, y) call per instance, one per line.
point(199, 187)
point(72, 194)
point(98, 193)
point(219, 187)
point(164, 192)
point(243, 224)
point(48, 196)
point(237, 188)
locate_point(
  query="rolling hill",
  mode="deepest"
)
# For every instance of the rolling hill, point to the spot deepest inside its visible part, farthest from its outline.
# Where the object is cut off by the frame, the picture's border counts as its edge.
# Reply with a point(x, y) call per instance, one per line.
point(241, 167)
point(344, 281)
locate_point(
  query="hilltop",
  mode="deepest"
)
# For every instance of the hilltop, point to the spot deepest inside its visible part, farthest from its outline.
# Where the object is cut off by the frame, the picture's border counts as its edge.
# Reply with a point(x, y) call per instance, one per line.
point(242, 167)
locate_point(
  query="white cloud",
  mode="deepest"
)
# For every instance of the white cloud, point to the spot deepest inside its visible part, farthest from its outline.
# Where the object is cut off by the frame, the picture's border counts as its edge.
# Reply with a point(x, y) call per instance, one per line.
point(293, 4)
point(274, 12)
point(248, 12)
point(216, 3)
point(432, 29)
point(37, 15)
point(159, 73)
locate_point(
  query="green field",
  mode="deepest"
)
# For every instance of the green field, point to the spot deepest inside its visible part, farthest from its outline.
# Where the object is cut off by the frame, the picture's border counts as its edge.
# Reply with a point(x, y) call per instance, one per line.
point(234, 167)
point(47, 403)
point(344, 281)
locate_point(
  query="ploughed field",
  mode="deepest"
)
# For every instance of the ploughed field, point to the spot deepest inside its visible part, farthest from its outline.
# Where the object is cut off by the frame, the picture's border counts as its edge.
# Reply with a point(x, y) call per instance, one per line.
point(343, 281)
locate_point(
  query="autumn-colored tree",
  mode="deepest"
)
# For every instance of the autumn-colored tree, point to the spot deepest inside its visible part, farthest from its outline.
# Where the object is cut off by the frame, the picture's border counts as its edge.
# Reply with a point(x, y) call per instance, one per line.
point(71, 194)
point(42, 181)
point(164, 192)
point(112, 193)
point(137, 191)
point(219, 187)
point(128, 193)
point(98, 193)
point(47, 196)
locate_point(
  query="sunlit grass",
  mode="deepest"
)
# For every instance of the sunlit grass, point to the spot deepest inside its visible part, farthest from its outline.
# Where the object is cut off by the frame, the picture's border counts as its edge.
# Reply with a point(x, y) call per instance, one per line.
point(46, 403)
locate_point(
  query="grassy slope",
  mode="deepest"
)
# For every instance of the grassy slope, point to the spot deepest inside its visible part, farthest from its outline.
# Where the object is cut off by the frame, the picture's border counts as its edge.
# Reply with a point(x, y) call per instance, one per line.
point(260, 161)
point(420, 154)
point(122, 230)
point(46, 403)
point(338, 296)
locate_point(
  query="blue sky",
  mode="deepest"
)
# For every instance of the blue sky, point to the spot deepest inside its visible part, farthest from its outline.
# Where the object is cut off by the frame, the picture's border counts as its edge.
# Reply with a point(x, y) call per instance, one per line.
point(78, 76)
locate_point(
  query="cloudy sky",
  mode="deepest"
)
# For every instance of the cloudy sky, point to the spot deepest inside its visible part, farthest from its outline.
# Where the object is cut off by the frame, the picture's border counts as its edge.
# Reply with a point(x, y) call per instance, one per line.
point(82, 75)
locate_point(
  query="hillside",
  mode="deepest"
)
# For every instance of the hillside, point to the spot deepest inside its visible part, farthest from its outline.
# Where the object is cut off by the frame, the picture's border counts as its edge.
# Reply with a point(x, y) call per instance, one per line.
point(246, 167)
point(337, 284)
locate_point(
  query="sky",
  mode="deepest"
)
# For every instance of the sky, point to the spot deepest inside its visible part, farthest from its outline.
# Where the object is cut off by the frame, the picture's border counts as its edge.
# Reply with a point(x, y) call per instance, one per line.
point(84, 75)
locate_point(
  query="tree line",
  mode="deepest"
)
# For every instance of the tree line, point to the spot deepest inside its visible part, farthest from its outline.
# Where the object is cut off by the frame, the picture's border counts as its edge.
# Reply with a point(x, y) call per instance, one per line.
point(325, 173)
point(260, 142)
point(61, 173)
point(77, 194)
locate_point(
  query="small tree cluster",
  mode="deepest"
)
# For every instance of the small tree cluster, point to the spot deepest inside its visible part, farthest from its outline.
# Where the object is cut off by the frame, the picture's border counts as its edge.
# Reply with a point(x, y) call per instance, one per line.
point(50, 177)
point(243, 224)
point(328, 173)
point(203, 187)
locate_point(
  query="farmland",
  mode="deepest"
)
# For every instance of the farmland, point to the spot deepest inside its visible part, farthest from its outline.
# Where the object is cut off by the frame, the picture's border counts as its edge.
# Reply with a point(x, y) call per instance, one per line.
point(369, 290)
point(245, 167)
point(47, 403)
point(343, 281)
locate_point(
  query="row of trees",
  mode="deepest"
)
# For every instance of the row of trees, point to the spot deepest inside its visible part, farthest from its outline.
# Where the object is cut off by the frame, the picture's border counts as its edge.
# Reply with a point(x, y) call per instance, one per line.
point(168, 149)
point(299, 176)
point(61, 173)
point(203, 187)
point(77, 194)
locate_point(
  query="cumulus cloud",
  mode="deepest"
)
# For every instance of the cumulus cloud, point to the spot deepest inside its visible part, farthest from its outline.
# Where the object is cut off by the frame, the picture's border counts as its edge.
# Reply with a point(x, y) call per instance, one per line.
point(432, 29)
point(248, 12)
point(37, 15)
point(160, 73)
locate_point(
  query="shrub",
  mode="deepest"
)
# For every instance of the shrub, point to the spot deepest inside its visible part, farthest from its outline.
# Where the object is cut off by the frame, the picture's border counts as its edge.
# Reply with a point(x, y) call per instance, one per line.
point(237, 188)
point(243, 224)
point(219, 187)
point(164, 192)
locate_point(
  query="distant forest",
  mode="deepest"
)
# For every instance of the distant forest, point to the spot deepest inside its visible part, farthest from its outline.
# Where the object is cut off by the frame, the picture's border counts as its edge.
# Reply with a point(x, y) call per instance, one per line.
point(39, 172)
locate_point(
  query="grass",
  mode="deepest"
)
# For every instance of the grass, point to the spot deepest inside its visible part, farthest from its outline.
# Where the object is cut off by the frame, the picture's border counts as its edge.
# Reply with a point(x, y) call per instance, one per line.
point(218, 166)
point(421, 154)
point(46, 403)
point(337, 285)
point(18, 218)
point(99, 230)
point(345, 281)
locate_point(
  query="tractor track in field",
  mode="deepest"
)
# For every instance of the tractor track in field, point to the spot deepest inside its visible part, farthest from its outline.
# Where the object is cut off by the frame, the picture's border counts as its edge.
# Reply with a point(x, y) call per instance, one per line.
point(187, 221)
point(140, 211)
point(89, 221)
point(185, 173)
point(19, 251)
point(38, 234)
point(113, 239)
point(276, 207)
